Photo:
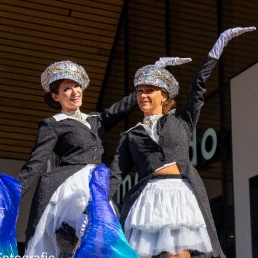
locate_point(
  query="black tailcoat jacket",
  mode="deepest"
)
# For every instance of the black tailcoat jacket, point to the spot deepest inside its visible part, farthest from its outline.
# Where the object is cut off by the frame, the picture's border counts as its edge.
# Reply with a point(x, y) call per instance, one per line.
point(76, 146)
point(136, 148)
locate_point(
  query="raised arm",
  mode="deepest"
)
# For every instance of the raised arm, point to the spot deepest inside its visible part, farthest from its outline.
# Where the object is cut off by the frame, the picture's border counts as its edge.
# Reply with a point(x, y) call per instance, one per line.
point(195, 99)
point(119, 110)
point(225, 37)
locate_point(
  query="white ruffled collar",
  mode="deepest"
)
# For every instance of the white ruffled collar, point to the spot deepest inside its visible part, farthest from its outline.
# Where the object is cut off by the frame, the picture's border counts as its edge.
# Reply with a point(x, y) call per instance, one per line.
point(150, 120)
point(75, 114)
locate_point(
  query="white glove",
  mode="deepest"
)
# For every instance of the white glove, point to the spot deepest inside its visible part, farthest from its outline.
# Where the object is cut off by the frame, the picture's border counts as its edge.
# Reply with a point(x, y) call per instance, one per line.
point(171, 61)
point(225, 37)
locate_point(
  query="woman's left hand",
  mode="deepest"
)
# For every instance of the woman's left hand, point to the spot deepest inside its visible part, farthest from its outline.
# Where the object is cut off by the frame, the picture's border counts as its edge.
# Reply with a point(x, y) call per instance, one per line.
point(225, 37)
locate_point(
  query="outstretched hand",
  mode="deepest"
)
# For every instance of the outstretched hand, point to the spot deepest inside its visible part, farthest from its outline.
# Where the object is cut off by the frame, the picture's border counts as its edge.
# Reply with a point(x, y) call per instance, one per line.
point(225, 37)
point(171, 61)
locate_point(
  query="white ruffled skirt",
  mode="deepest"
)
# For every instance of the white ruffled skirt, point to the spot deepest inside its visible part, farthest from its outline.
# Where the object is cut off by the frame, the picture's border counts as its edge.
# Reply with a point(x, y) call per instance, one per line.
point(67, 205)
point(166, 217)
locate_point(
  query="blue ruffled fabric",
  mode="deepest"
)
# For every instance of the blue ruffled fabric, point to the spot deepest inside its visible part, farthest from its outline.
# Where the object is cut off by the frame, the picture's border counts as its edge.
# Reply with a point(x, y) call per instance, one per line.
point(103, 236)
point(10, 196)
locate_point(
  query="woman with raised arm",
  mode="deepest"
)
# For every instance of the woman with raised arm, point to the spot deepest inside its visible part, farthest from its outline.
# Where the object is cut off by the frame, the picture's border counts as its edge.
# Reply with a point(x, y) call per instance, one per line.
point(167, 214)
point(58, 215)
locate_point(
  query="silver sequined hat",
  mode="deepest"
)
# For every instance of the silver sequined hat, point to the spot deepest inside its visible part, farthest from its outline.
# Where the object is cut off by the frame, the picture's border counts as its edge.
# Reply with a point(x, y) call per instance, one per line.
point(157, 75)
point(64, 70)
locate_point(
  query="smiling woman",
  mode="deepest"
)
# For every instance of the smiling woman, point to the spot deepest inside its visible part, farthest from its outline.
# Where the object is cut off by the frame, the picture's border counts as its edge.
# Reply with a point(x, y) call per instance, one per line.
point(69, 95)
point(148, 98)
point(59, 211)
point(167, 213)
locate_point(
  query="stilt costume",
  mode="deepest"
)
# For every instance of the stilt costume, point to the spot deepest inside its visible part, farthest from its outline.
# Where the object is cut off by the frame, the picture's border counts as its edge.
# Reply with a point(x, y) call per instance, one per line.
point(168, 213)
point(62, 194)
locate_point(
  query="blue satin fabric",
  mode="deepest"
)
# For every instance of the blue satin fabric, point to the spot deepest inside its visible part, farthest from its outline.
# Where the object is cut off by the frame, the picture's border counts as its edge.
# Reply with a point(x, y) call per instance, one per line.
point(10, 196)
point(103, 236)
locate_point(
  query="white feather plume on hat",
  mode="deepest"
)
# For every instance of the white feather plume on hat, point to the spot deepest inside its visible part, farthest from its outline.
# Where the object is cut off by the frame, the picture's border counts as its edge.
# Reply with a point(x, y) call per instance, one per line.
point(157, 75)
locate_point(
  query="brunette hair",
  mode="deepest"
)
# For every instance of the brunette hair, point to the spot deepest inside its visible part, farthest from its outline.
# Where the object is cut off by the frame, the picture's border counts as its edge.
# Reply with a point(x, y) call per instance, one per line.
point(168, 104)
point(54, 86)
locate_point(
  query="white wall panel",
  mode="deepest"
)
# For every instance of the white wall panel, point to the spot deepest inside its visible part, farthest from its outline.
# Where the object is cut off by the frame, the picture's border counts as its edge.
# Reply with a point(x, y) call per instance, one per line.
point(244, 110)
